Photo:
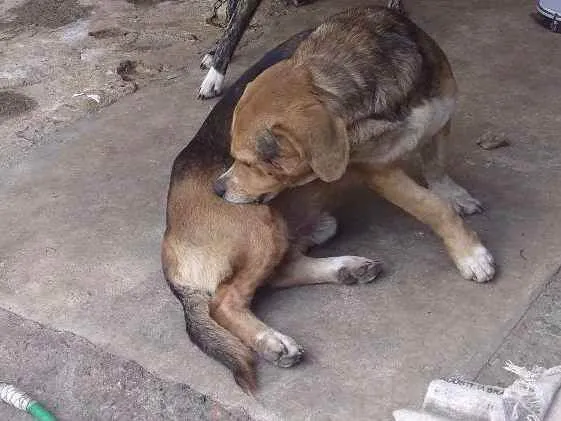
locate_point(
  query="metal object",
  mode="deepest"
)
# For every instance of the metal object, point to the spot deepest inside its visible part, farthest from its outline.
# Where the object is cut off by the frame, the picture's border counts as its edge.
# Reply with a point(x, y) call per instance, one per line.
point(549, 12)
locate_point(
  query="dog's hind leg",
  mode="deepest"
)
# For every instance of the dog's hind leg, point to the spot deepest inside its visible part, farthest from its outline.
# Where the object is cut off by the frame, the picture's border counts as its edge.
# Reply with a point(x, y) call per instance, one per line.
point(243, 11)
point(433, 155)
point(323, 229)
point(304, 270)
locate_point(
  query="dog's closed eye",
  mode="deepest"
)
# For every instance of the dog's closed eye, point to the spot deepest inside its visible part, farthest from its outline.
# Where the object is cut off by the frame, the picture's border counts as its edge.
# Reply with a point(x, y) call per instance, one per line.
point(267, 146)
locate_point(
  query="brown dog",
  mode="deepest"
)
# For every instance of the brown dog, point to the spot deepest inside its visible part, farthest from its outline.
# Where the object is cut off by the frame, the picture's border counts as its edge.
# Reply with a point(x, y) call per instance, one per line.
point(365, 90)
point(216, 254)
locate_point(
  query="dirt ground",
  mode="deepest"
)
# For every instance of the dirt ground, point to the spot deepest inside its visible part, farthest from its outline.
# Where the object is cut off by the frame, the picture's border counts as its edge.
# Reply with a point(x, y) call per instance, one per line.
point(63, 59)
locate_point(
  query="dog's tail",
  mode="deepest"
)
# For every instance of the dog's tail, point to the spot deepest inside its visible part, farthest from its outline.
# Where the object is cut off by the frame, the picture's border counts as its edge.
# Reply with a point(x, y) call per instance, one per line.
point(396, 5)
point(214, 340)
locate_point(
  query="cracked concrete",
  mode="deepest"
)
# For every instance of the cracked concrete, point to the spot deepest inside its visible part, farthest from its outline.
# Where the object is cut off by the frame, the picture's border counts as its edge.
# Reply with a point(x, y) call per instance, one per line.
point(78, 381)
point(82, 218)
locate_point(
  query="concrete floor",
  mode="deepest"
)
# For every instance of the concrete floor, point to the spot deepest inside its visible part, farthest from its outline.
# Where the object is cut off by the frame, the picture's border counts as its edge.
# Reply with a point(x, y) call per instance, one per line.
point(78, 381)
point(82, 218)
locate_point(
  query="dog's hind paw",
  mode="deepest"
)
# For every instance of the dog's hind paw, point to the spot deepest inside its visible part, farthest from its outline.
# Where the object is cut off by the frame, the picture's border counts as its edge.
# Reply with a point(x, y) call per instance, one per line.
point(463, 202)
point(478, 266)
point(466, 204)
point(279, 349)
point(356, 269)
point(212, 84)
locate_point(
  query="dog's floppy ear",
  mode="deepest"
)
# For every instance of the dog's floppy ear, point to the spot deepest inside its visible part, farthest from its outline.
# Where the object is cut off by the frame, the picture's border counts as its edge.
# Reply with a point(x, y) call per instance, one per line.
point(324, 142)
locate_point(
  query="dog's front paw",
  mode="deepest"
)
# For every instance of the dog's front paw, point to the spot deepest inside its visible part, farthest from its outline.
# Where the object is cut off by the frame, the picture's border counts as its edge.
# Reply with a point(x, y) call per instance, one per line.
point(212, 84)
point(478, 265)
point(279, 349)
point(207, 61)
point(358, 270)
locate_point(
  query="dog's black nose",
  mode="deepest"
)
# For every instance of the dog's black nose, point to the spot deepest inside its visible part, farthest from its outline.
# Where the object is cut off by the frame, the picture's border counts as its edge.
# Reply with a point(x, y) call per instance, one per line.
point(220, 187)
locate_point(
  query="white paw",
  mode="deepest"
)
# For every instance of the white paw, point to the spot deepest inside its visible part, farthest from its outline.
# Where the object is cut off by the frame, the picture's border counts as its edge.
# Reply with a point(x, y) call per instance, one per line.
point(212, 84)
point(478, 266)
point(206, 61)
point(279, 349)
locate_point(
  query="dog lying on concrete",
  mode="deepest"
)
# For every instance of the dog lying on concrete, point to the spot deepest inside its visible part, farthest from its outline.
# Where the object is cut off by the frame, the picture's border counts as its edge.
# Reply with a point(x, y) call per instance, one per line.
point(386, 91)
point(215, 254)
point(238, 16)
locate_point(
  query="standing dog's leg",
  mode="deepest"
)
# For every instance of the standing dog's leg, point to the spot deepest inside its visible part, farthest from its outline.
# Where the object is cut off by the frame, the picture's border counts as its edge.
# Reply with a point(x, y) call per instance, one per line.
point(231, 9)
point(434, 169)
point(237, 24)
point(472, 259)
point(206, 62)
point(304, 270)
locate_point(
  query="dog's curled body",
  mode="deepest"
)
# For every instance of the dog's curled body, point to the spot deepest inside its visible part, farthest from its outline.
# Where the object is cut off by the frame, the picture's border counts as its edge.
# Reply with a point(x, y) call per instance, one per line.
point(366, 90)
point(209, 243)
point(216, 254)
point(308, 122)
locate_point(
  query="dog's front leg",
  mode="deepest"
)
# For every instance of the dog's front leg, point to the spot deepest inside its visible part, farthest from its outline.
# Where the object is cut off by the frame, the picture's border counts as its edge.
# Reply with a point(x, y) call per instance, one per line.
point(472, 259)
point(243, 11)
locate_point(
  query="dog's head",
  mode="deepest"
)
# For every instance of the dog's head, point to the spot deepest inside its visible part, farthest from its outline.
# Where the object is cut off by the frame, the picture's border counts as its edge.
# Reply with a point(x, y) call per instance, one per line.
point(282, 136)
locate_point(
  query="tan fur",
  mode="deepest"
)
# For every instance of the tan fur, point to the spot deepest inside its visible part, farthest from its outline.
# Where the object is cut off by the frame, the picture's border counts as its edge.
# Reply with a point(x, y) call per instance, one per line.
point(303, 124)
point(326, 122)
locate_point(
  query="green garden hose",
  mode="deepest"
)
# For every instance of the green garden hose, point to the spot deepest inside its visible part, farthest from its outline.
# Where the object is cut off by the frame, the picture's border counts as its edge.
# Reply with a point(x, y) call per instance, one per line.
point(20, 400)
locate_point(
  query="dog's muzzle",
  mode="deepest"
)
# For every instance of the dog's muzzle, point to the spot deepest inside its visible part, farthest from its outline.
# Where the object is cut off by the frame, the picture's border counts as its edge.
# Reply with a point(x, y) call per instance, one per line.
point(221, 190)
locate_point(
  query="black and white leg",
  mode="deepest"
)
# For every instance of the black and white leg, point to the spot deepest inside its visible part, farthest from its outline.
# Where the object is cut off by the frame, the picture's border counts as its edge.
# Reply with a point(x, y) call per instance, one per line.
point(207, 60)
point(242, 13)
